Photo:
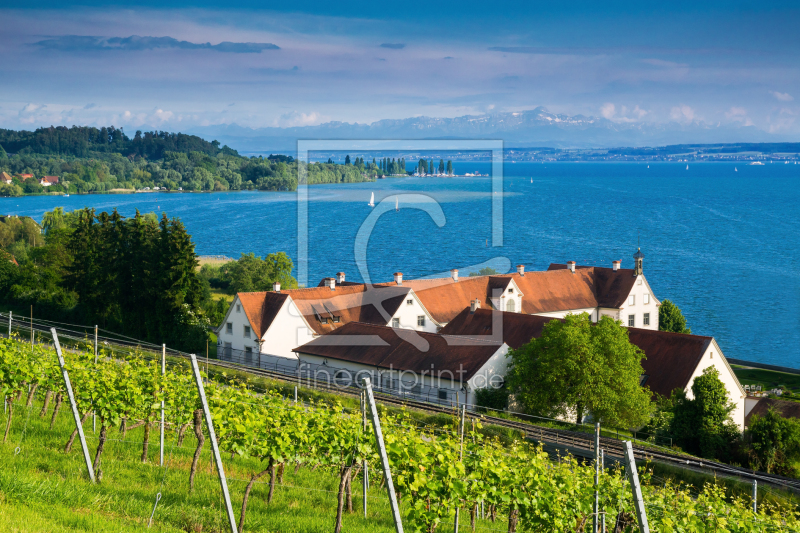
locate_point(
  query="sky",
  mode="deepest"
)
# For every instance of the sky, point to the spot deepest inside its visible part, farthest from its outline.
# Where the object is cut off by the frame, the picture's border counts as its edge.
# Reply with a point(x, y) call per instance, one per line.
point(171, 65)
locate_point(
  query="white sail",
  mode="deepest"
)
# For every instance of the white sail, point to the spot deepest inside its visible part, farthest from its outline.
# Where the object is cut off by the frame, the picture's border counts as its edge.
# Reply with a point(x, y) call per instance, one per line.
point(687, 167)
point(396, 203)
point(372, 200)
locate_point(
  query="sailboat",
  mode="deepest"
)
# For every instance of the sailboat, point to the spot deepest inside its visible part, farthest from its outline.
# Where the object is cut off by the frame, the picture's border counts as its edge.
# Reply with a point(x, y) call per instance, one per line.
point(372, 200)
point(397, 203)
point(735, 169)
point(648, 166)
point(531, 180)
point(687, 167)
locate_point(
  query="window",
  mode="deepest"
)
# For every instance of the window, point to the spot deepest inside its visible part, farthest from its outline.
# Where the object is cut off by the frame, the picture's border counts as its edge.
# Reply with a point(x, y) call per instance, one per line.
point(228, 352)
point(337, 319)
point(247, 332)
point(442, 394)
point(511, 306)
point(646, 319)
point(632, 299)
point(410, 301)
point(510, 291)
point(395, 322)
point(229, 328)
point(238, 308)
point(323, 320)
point(631, 321)
point(248, 355)
point(421, 321)
point(647, 298)
point(639, 281)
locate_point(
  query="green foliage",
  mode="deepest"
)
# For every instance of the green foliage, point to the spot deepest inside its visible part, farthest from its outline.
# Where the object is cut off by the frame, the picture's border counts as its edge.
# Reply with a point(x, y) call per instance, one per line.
point(671, 319)
point(32, 186)
point(251, 274)
point(485, 271)
point(774, 443)
point(493, 398)
point(703, 425)
point(575, 367)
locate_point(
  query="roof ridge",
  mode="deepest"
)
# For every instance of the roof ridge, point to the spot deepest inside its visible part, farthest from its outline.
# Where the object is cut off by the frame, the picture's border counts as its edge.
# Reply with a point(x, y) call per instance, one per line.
point(414, 330)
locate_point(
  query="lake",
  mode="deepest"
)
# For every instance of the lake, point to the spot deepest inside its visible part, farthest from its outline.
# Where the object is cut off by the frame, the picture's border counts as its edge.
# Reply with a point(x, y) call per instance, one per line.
point(719, 243)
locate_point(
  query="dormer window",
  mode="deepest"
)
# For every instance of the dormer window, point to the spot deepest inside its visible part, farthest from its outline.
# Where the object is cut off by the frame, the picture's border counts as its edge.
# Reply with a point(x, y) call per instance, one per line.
point(337, 319)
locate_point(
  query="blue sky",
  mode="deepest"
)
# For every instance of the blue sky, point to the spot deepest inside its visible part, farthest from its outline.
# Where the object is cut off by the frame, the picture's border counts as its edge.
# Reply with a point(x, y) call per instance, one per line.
point(173, 66)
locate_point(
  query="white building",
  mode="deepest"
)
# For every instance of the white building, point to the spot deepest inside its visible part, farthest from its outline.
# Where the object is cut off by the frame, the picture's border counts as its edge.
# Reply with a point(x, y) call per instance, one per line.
point(417, 365)
point(264, 327)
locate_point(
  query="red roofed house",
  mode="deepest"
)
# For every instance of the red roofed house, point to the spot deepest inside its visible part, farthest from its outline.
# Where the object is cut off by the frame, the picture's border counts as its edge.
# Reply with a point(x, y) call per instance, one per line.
point(420, 365)
point(673, 360)
point(260, 327)
point(23, 177)
point(273, 323)
point(47, 181)
point(5, 178)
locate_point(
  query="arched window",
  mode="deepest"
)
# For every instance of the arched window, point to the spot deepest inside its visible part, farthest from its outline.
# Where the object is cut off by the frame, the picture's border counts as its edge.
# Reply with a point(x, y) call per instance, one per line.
point(511, 306)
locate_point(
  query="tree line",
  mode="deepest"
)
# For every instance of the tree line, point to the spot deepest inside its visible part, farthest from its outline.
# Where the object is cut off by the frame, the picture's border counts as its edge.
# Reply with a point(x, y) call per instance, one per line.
point(136, 276)
point(92, 160)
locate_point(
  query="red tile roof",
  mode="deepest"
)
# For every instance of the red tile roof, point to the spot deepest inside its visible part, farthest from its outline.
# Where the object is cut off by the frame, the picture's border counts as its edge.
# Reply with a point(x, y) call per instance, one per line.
point(351, 303)
point(671, 358)
point(399, 349)
point(50, 179)
point(556, 289)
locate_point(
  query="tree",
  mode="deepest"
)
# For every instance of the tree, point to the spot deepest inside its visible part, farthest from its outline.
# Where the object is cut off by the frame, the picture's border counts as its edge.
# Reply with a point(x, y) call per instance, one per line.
point(347, 159)
point(441, 166)
point(485, 271)
point(3, 154)
point(575, 368)
point(671, 319)
point(774, 443)
point(450, 168)
point(251, 273)
point(703, 425)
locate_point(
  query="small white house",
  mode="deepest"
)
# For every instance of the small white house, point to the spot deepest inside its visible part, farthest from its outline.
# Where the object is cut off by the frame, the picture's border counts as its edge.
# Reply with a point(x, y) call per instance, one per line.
point(413, 364)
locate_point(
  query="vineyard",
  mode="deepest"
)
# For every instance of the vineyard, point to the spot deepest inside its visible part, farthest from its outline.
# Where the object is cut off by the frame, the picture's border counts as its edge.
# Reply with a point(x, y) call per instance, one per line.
point(309, 459)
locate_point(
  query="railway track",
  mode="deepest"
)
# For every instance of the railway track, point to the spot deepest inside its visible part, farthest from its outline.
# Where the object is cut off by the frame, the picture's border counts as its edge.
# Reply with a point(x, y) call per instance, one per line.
point(555, 437)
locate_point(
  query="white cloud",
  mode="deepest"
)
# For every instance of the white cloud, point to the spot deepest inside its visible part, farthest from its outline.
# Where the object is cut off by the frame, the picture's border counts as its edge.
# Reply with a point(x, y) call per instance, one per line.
point(682, 113)
point(739, 114)
point(31, 108)
point(608, 110)
point(623, 114)
point(783, 97)
point(294, 119)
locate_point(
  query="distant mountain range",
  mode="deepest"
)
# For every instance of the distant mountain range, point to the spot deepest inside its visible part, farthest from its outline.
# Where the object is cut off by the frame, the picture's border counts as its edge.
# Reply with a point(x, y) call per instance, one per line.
point(537, 127)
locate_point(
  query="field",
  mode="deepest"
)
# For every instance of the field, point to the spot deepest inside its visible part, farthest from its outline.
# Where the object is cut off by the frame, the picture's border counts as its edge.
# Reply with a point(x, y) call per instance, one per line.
point(42, 489)
point(768, 379)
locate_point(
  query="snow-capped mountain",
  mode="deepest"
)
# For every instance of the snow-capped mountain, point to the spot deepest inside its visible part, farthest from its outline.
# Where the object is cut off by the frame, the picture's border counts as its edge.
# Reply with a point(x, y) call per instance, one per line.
point(536, 127)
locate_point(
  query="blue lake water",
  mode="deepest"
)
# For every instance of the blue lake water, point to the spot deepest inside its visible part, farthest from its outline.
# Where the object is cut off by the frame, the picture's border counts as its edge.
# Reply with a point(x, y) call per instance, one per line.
point(722, 244)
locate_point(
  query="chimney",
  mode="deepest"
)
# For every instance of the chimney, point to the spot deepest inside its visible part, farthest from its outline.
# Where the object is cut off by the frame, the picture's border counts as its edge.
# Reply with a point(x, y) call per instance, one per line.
point(398, 278)
point(454, 274)
point(474, 305)
point(276, 287)
point(340, 277)
point(332, 283)
point(521, 270)
point(571, 266)
point(616, 265)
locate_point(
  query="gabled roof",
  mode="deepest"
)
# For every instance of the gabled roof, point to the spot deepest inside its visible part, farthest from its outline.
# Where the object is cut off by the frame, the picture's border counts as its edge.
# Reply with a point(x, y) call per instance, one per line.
point(671, 358)
point(350, 303)
point(397, 349)
point(556, 289)
point(50, 179)
point(261, 309)
point(784, 408)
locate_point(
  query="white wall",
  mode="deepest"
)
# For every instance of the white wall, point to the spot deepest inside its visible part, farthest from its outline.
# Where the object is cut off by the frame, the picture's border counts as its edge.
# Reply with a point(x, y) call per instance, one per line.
point(749, 403)
point(714, 357)
point(501, 303)
point(408, 315)
point(639, 308)
point(238, 319)
point(497, 365)
point(287, 331)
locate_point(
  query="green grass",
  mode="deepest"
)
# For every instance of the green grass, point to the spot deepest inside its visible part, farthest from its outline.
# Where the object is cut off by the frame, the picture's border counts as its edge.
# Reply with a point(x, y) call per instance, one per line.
point(768, 379)
point(44, 489)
